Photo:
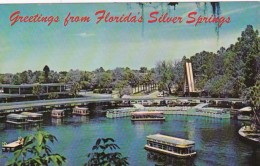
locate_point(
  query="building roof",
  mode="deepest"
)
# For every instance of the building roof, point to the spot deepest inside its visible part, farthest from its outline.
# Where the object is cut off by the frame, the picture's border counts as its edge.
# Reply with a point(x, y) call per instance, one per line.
point(29, 85)
point(179, 142)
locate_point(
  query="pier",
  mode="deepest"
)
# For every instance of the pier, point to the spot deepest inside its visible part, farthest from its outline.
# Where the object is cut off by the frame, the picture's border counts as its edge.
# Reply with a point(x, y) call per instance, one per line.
point(57, 103)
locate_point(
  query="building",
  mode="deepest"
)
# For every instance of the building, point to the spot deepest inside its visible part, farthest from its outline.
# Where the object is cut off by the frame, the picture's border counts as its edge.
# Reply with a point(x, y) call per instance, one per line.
point(27, 89)
point(24, 92)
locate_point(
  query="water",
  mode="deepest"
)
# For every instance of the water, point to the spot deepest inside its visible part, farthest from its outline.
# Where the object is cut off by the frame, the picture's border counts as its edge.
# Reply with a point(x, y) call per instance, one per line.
point(216, 140)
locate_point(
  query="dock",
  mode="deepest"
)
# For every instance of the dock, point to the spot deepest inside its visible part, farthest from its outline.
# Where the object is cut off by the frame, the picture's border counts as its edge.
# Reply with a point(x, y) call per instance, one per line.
point(13, 107)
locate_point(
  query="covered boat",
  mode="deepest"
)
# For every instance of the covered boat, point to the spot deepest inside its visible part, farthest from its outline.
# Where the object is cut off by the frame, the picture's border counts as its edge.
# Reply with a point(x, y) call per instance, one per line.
point(57, 113)
point(245, 113)
point(173, 146)
point(17, 119)
point(80, 111)
point(33, 117)
point(147, 116)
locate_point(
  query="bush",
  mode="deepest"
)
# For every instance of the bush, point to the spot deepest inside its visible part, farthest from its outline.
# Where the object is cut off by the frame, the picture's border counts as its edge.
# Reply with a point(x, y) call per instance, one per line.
point(35, 151)
point(100, 156)
point(96, 91)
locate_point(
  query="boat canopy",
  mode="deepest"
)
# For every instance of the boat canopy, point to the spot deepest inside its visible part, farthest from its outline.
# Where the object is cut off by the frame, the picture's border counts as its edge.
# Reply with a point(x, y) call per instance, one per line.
point(57, 111)
point(245, 109)
point(31, 114)
point(81, 108)
point(178, 142)
point(16, 116)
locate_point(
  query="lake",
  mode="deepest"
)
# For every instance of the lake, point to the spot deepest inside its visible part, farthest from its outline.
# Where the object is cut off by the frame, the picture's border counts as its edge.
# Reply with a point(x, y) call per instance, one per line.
point(216, 140)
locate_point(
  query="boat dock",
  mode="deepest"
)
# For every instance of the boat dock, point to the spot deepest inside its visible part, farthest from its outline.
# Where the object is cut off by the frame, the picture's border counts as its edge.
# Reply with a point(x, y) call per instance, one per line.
point(14, 107)
point(86, 100)
point(123, 112)
point(177, 110)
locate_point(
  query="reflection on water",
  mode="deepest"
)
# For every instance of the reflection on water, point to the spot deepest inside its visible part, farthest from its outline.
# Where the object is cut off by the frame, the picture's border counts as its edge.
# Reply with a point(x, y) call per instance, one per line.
point(142, 123)
point(80, 119)
point(76, 120)
point(73, 120)
point(216, 140)
point(141, 126)
point(56, 121)
point(6, 126)
point(2, 126)
point(166, 160)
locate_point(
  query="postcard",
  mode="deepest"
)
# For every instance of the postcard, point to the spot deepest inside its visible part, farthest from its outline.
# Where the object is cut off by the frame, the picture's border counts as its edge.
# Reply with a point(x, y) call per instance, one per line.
point(130, 83)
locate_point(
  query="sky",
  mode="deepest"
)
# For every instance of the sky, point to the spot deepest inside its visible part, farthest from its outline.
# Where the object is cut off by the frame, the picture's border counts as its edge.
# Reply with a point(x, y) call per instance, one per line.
point(88, 46)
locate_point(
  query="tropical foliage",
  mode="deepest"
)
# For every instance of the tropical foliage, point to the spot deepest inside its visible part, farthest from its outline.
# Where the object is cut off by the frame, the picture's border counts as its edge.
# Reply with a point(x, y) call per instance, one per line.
point(36, 151)
point(104, 154)
point(229, 71)
point(254, 99)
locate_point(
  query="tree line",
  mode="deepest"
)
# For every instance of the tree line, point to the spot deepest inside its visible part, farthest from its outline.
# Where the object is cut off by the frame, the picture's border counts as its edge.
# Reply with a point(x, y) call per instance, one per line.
point(227, 73)
point(231, 71)
point(99, 80)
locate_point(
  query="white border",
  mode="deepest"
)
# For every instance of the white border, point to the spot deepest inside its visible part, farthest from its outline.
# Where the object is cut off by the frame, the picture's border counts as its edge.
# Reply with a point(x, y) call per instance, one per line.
point(101, 1)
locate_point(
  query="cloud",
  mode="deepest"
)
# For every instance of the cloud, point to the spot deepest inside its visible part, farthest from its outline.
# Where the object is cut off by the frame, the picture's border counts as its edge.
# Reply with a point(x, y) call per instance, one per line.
point(85, 34)
point(240, 10)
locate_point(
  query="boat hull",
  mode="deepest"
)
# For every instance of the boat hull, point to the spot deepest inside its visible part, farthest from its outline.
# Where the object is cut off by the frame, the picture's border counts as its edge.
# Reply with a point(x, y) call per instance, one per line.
point(35, 121)
point(13, 146)
point(243, 118)
point(57, 116)
point(250, 137)
point(17, 123)
point(82, 114)
point(177, 155)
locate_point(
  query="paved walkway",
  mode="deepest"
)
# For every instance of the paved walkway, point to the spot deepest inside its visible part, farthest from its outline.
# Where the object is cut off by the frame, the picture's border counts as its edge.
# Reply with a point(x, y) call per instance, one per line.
point(151, 95)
